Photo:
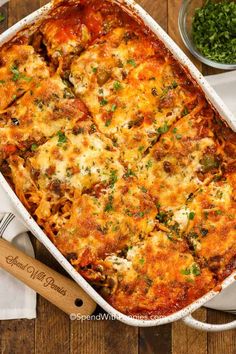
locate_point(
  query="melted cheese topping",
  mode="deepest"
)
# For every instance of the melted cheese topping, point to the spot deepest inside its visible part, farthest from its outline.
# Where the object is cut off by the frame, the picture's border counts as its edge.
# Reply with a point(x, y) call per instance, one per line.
point(79, 160)
point(171, 168)
point(41, 112)
point(147, 284)
point(22, 68)
point(118, 156)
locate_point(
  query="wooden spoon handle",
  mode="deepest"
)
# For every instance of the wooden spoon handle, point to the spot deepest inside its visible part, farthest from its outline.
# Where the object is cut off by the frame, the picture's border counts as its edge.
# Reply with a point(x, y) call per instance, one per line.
point(56, 288)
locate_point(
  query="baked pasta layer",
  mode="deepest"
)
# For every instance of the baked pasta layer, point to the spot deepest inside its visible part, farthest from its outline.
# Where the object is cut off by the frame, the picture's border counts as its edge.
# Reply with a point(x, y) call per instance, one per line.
point(119, 157)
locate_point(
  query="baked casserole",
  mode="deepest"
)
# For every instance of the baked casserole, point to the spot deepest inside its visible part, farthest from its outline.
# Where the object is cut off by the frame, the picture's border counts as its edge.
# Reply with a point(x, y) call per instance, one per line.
point(117, 154)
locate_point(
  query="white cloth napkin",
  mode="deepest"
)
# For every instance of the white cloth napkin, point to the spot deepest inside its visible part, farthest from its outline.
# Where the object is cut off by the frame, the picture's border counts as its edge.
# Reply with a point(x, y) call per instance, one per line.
point(19, 301)
point(225, 86)
point(16, 299)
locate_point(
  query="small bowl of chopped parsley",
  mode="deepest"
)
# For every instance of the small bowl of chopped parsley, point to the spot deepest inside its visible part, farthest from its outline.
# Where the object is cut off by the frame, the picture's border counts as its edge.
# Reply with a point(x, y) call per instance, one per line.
point(208, 29)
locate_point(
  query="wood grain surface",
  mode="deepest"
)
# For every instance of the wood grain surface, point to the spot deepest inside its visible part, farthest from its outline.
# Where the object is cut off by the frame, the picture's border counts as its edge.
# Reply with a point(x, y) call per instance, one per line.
point(52, 332)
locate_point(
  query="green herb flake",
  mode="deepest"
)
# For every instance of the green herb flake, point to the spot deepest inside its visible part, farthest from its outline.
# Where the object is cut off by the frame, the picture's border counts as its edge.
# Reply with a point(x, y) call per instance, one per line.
point(141, 148)
point(191, 215)
point(26, 78)
point(195, 270)
point(103, 102)
point(34, 147)
point(162, 216)
point(166, 89)
point(178, 136)
point(61, 138)
point(17, 75)
point(148, 164)
point(143, 189)
point(218, 212)
point(132, 62)
point(174, 85)
point(94, 69)
point(189, 280)
point(142, 261)
point(129, 173)
point(108, 206)
point(15, 71)
point(113, 178)
point(113, 107)
point(164, 129)
point(185, 271)
point(108, 122)
point(185, 111)
point(117, 85)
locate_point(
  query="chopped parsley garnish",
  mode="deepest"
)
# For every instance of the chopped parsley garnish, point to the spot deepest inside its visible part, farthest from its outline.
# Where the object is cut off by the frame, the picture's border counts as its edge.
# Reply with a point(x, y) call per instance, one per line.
point(189, 280)
point(113, 178)
point(209, 162)
point(94, 69)
point(162, 216)
point(185, 271)
point(26, 78)
point(191, 215)
point(103, 102)
point(141, 214)
point(61, 138)
point(2, 82)
point(2, 17)
point(129, 173)
point(17, 75)
point(143, 189)
point(185, 111)
point(34, 147)
point(141, 148)
point(108, 122)
point(218, 212)
point(113, 107)
point(148, 164)
point(109, 206)
point(178, 136)
point(117, 85)
point(132, 62)
point(213, 30)
point(163, 129)
point(142, 261)
point(166, 89)
point(15, 72)
point(194, 270)
point(173, 85)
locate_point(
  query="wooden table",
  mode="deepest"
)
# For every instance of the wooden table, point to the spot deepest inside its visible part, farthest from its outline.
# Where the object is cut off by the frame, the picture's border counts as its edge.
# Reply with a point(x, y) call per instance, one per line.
point(52, 332)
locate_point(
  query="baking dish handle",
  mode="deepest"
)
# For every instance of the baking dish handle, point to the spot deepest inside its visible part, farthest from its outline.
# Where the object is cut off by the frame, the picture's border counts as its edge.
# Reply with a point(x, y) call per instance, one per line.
point(192, 322)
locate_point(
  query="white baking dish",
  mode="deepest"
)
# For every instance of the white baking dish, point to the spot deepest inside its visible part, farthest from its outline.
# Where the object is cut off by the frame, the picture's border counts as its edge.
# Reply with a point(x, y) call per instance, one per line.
point(185, 313)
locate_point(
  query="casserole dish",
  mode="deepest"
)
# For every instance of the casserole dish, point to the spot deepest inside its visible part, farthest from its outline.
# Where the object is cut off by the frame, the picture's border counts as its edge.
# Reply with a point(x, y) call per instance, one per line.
point(41, 236)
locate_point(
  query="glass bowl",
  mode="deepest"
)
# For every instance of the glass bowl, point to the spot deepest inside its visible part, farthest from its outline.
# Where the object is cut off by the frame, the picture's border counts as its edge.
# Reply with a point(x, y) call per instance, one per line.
point(186, 15)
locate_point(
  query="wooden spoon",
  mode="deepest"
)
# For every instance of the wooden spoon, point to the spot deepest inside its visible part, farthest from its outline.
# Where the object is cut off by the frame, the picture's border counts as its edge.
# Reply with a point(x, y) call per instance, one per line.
point(56, 288)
